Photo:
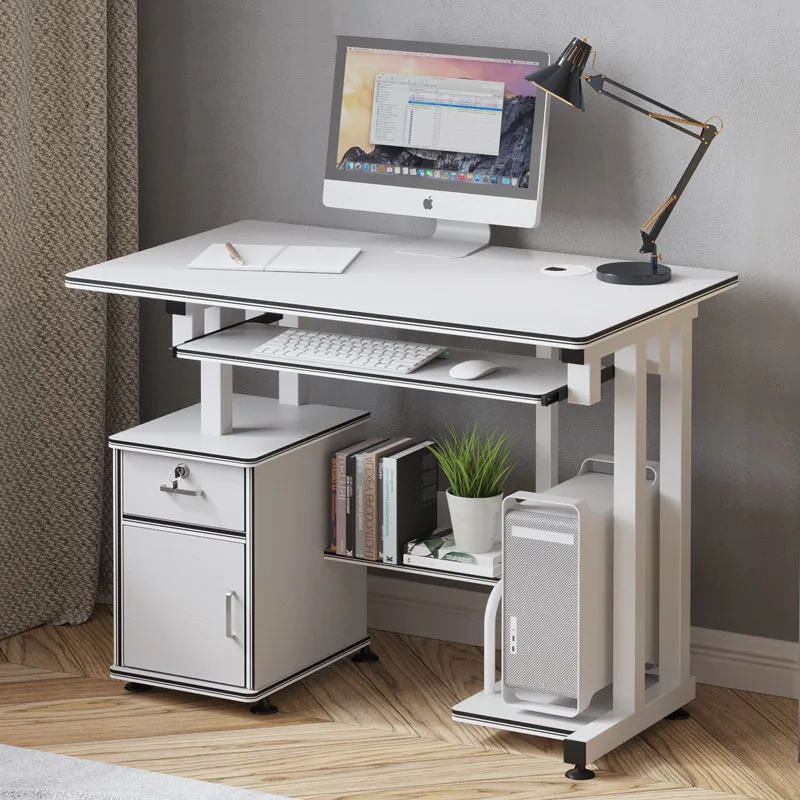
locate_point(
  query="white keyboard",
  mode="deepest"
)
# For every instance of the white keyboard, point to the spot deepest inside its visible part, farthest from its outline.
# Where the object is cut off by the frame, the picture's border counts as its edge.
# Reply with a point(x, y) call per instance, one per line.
point(337, 350)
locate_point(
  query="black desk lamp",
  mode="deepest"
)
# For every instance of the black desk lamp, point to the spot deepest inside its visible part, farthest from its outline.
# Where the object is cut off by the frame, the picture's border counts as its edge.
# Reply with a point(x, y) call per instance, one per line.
point(563, 80)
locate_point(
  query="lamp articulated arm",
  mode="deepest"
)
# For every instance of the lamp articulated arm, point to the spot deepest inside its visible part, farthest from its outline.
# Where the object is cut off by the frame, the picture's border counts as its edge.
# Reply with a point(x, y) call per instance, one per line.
point(675, 119)
point(564, 81)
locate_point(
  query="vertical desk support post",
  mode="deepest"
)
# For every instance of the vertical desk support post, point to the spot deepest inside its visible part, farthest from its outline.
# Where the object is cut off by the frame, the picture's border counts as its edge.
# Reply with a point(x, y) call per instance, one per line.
point(188, 325)
point(546, 437)
point(630, 433)
point(216, 380)
point(292, 388)
point(583, 381)
point(675, 507)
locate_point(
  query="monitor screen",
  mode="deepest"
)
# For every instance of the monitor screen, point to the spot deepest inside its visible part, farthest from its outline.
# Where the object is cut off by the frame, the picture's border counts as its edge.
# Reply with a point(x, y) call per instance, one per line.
point(437, 116)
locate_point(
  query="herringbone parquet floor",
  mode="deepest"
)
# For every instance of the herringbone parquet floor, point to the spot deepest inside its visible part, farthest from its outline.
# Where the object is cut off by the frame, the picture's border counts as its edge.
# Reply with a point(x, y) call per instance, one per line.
point(359, 731)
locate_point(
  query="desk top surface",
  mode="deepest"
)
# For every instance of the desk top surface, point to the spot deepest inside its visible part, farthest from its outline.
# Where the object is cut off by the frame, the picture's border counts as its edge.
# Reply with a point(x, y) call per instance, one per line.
point(497, 293)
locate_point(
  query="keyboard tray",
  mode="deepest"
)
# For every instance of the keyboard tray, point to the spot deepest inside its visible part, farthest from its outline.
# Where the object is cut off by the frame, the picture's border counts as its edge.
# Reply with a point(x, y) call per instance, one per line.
point(522, 379)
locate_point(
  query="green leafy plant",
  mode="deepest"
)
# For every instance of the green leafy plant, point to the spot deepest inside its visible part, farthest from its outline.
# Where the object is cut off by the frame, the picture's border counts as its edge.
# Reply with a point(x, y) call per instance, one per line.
point(476, 465)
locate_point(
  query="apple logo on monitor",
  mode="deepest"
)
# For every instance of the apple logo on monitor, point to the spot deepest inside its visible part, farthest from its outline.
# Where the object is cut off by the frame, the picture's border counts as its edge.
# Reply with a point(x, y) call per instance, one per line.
point(427, 203)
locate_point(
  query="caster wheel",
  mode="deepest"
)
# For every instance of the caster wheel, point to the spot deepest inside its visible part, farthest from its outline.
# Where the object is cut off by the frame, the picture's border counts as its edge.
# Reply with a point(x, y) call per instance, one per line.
point(263, 707)
point(365, 655)
point(137, 688)
point(680, 713)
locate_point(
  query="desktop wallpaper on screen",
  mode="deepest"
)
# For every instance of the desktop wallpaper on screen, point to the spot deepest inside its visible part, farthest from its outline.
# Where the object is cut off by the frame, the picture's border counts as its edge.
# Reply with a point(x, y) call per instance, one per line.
point(510, 166)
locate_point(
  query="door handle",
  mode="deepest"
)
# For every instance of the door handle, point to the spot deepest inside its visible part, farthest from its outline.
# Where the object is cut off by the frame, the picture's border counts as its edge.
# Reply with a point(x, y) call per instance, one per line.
point(229, 632)
point(181, 471)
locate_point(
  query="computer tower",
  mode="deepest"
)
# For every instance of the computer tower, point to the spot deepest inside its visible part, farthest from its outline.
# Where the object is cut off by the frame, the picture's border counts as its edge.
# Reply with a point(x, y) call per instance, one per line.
point(558, 556)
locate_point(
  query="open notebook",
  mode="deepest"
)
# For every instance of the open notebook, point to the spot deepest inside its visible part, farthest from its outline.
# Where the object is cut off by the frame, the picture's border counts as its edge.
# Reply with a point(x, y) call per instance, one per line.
point(277, 258)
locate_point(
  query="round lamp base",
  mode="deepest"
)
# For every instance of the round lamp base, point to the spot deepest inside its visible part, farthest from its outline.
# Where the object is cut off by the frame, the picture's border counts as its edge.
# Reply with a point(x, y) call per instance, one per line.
point(633, 273)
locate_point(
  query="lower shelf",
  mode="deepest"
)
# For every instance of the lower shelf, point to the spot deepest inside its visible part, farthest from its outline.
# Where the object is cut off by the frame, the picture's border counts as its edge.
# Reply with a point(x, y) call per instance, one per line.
point(588, 736)
point(459, 577)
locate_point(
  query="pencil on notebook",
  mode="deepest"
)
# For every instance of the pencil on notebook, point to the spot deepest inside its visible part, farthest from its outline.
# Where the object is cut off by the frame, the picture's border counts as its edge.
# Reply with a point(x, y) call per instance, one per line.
point(234, 254)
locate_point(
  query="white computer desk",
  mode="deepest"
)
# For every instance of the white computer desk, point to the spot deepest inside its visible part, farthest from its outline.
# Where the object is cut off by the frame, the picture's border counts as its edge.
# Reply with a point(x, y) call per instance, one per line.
point(498, 295)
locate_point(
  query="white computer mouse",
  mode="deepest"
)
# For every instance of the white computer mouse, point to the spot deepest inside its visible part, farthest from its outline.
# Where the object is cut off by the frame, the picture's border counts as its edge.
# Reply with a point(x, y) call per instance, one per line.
point(470, 370)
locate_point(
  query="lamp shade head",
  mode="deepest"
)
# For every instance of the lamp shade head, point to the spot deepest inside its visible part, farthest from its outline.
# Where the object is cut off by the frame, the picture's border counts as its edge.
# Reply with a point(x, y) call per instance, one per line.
point(563, 79)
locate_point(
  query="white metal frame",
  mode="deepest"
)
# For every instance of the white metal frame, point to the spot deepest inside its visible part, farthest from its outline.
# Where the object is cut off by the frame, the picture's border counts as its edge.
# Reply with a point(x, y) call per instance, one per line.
point(546, 458)
point(634, 705)
point(663, 346)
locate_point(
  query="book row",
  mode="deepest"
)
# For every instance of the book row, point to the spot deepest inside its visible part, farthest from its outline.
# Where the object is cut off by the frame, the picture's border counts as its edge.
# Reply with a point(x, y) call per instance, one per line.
point(383, 494)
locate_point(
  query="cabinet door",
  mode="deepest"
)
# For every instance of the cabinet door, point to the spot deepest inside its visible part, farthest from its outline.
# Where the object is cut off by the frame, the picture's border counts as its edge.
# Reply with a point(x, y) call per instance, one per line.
point(183, 608)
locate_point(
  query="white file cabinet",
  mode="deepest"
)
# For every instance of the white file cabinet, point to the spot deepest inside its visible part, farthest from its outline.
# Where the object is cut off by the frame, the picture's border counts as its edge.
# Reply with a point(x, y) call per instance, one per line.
point(221, 587)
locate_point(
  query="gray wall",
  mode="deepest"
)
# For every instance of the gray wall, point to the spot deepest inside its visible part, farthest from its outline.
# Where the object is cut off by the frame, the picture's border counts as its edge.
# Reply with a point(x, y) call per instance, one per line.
point(234, 117)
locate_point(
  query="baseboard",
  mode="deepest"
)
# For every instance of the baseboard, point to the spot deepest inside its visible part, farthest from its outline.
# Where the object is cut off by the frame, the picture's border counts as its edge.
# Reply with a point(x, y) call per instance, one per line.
point(720, 658)
point(425, 609)
point(738, 661)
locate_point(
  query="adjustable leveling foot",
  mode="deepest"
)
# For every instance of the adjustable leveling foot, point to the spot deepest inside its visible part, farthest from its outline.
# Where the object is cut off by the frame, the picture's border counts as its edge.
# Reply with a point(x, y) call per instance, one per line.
point(579, 773)
point(364, 655)
point(263, 706)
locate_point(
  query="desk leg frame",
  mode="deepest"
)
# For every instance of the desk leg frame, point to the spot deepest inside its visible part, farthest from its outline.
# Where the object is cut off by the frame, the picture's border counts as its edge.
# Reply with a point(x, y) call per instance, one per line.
point(675, 510)
point(216, 380)
point(546, 437)
point(635, 705)
point(292, 388)
point(630, 435)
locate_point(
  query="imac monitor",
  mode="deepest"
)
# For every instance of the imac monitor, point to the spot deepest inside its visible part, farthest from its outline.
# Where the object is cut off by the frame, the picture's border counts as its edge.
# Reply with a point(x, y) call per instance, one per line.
point(449, 132)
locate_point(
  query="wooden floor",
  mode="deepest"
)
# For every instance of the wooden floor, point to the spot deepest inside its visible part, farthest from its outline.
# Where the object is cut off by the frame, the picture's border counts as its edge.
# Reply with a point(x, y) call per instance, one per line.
point(382, 730)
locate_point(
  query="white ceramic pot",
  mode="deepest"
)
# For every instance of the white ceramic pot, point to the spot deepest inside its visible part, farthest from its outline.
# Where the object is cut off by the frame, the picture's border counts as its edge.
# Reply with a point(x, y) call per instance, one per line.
point(476, 522)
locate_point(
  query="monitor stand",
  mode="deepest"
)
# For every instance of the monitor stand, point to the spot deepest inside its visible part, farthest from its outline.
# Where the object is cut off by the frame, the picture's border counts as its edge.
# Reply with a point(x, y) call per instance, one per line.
point(449, 240)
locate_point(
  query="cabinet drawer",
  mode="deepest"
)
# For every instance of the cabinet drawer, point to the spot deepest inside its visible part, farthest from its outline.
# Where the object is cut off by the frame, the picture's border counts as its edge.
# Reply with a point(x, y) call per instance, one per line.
point(207, 495)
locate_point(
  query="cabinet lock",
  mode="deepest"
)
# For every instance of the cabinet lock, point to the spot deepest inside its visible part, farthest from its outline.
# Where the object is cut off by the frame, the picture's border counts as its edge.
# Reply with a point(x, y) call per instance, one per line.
point(180, 471)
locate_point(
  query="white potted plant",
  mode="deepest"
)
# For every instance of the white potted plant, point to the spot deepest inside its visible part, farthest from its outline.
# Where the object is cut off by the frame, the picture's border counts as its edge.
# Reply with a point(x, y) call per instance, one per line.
point(476, 467)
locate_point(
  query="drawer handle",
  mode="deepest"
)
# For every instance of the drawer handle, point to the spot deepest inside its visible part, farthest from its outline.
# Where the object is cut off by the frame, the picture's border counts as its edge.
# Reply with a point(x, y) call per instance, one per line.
point(175, 490)
point(181, 471)
point(229, 633)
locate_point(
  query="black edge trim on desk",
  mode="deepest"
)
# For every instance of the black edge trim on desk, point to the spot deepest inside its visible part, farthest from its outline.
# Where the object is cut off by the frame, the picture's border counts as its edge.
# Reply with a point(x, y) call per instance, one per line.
point(465, 715)
point(292, 308)
point(120, 443)
point(546, 399)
